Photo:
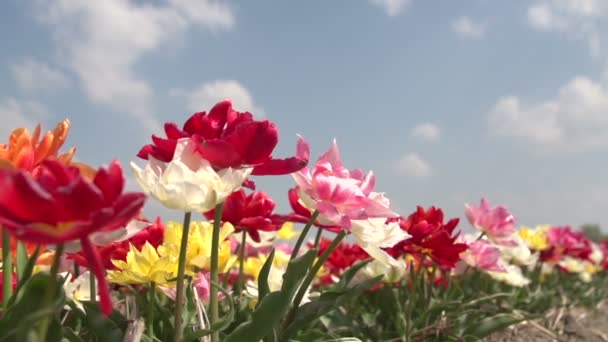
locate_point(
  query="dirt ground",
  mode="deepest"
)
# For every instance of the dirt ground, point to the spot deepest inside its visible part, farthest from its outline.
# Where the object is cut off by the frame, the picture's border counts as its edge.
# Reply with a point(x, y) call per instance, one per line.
point(561, 325)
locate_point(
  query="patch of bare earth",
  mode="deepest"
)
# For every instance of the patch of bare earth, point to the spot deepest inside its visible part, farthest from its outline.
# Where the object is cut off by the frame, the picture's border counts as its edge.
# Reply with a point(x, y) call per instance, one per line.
point(563, 324)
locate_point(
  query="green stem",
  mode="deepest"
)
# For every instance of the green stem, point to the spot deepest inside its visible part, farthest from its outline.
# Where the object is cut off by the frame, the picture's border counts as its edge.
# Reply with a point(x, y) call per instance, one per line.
point(50, 293)
point(311, 276)
point(318, 237)
point(296, 248)
point(181, 269)
point(150, 310)
point(242, 252)
point(21, 259)
point(481, 236)
point(76, 270)
point(7, 269)
point(215, 248)
point(92, 287)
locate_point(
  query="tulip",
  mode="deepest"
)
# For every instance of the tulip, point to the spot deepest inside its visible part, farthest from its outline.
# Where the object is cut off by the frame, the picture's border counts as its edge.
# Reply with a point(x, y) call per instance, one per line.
point(339, 195)
point(227, 139)
point(496, 222)
point(188, 182)
point(58, 205)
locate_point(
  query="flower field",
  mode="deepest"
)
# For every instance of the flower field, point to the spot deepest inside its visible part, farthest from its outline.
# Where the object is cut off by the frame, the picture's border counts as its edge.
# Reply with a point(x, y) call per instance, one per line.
point(81, 263)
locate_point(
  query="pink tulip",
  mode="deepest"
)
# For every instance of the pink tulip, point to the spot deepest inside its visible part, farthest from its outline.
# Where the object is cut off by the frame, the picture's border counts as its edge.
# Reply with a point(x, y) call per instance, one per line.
point(338, 194)
point(483, 255)
point(496, 222)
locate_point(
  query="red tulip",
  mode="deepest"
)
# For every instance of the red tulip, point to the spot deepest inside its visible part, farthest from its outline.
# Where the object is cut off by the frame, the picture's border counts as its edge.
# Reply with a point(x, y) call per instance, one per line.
point(430, 237)
point(227, 138)
point(59, 205)
point(250, 213)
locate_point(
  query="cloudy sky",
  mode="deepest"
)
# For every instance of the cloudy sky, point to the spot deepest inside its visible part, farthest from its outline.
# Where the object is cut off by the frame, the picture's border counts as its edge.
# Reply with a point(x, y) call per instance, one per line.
point(446, 101)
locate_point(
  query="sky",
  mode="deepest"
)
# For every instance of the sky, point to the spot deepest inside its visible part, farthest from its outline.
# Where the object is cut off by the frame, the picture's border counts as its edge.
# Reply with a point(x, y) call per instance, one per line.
point(446, 101)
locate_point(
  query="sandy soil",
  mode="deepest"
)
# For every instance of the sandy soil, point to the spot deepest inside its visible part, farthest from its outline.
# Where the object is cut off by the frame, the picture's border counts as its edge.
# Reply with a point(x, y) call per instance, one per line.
point(563, 325)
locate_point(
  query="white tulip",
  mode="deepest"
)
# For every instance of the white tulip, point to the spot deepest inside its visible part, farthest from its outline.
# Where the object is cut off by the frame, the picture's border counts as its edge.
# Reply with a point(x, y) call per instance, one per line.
point(188, 182)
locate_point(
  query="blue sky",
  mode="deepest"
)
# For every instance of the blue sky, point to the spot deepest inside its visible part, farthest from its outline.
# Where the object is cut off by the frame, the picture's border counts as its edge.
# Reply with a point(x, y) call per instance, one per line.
point(446, 101)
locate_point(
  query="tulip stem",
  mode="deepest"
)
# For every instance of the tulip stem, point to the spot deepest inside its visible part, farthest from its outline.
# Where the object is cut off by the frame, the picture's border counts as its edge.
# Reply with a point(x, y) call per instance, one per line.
point(7, 269)
point(181, 269)
point(242, 251)
point(92, 287)
point(150, 307)
point(213, 295)
point(50, 293)
point(311, 276)
point(318, 237)
point(311, 221)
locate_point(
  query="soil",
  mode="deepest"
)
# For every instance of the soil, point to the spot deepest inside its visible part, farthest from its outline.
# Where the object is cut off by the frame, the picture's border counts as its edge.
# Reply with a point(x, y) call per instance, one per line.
point(564, 324)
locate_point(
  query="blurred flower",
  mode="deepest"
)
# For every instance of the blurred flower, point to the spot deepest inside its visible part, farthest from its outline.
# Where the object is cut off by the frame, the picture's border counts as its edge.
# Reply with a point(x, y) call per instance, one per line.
point(341, 259)
point(496, 222)
point(58, 205)
point(376, 234)
point(78, 290)
point(391, 273)
point(519, 254)
point(483, 255)
point(227, 139)
point(535, 238)
point(338, 194)
point(565, 242)
point(513, 276)
point(188, 182)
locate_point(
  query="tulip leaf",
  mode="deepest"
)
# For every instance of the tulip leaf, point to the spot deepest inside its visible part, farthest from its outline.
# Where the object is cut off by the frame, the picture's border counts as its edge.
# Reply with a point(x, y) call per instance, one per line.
point(22, 259)
point(349, 274)
point(263, 288)
point(106, 329)
point(275, 305)
point(308, 312)
point(489, 325)
point(27, 271)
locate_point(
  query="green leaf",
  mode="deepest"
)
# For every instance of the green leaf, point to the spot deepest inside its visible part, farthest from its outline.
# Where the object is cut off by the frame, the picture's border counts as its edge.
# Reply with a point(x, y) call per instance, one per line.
point(70, 335)
point(106, 329)
point(275, 305)
point(326, 302)
point(22, 259)
point(349, 274)
point(26, 273)
point(263, 288)
point(491, 324)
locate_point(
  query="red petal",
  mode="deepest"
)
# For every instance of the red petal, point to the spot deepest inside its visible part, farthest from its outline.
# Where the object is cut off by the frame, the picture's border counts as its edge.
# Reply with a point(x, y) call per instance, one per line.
point(173, 132)
point(110, 181)
point(164, 148)
point(218, 116)
point(96, 266)
point(275, 167)
point(219, 153)
point(254, 141)
point(22, 199)
point(145, 152)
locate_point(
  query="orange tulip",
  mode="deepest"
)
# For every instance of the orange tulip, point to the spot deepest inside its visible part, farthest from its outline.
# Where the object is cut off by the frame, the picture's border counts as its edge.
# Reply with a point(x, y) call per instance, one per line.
point(25, 151)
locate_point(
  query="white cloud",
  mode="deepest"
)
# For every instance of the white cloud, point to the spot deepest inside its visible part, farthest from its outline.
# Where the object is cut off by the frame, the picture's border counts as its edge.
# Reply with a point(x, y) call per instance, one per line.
point(205, 96)
point(32, 75)
point(577, 19)
point(102, 41)
point(467, 28)
point(412, 165)
point(14, 114)
point(575, 119)
point(392, 7)
point(427, 132)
